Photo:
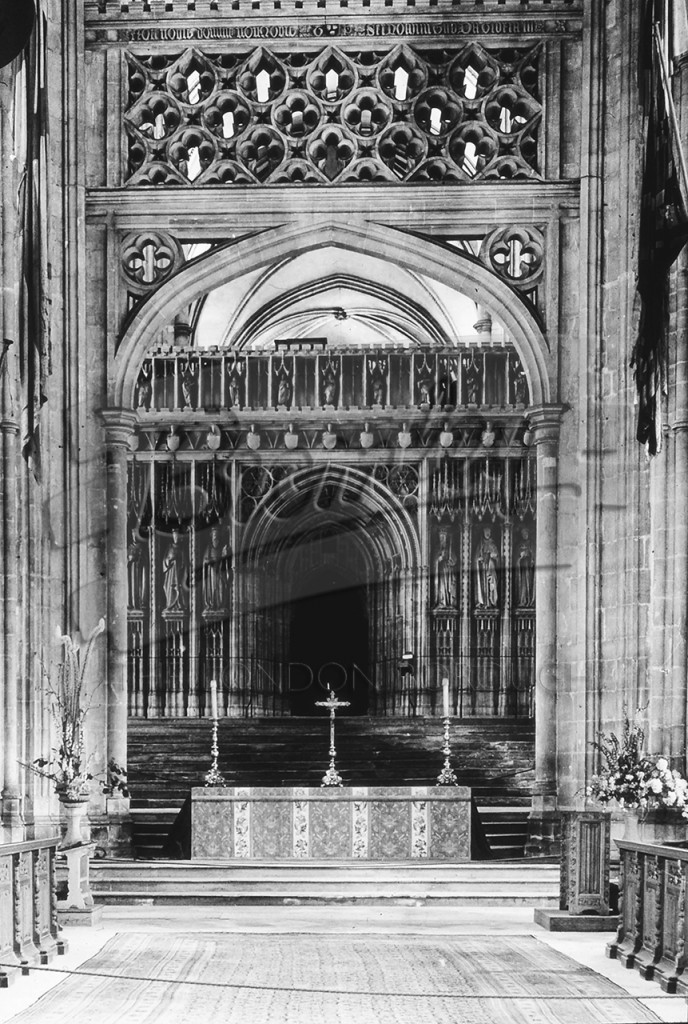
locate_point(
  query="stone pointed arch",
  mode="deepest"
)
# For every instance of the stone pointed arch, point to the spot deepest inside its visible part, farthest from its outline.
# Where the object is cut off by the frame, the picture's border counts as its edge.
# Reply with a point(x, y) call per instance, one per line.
point(377, 516)
point(412, 253)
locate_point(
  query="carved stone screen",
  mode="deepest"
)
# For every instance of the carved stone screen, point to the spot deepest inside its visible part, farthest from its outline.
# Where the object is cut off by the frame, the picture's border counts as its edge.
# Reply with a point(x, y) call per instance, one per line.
point(333, 116)
point(283, 571)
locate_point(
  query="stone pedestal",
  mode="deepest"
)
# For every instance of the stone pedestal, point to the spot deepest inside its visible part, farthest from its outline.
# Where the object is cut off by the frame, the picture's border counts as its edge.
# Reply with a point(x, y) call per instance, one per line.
point(561, 921)
point(78, 907)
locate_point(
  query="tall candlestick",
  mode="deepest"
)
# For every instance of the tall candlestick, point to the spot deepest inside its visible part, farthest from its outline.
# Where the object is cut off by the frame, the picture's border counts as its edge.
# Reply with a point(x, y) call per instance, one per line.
point(214, 777)
point(445, 695)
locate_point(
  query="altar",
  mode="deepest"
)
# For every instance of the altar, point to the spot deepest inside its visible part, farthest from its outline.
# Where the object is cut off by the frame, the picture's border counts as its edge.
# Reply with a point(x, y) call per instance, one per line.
point(347, 823)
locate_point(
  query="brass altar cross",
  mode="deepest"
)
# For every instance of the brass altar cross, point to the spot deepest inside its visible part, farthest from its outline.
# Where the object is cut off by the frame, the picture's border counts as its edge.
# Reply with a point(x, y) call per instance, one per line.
point(331, 776)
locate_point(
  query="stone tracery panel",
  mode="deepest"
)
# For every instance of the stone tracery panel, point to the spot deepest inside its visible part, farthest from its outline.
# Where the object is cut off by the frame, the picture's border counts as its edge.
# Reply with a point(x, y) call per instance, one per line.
point(262, 117)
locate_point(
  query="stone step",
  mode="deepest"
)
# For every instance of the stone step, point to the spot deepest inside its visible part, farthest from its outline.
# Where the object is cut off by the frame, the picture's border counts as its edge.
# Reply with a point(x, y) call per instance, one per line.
point(166, 757)
point(506, 829)
point(324, 882)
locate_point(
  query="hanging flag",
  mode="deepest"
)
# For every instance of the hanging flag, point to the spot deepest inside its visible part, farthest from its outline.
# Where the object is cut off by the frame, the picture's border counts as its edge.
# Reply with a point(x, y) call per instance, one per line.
point(31, 145)
point(662, 234)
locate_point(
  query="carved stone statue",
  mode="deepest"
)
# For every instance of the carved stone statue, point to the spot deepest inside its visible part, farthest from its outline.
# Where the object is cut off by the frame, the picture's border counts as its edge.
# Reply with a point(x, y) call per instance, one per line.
point(174, 575)
point(216, 573)
point(472, 382)
point(525, 595)
point(136, 572)
point(521, 389)
point(234, 372)
point(445, 572)
point(378, 381)
point(329, 375)
point(486, 564)
point(284, 388)
point(425, 390)
point(144, 388)
point(188, 379)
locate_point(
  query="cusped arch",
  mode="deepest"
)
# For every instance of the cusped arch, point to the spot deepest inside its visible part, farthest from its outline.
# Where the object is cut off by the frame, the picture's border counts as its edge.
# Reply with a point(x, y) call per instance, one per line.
point(288, 502)
point(449, 267)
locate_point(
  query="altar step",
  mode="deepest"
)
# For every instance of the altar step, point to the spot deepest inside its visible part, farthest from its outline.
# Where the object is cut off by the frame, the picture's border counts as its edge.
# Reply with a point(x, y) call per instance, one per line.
point(506, 829)
point(408, 882)
point(494, 757)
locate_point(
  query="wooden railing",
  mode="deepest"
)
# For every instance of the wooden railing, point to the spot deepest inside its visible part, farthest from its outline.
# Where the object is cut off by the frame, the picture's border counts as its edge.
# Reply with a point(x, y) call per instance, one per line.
point(653, 922)
point(28, 906)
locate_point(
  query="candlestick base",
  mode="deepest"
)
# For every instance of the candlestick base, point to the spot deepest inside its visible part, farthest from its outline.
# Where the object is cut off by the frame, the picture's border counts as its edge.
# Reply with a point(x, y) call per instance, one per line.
point(331, 776)
point(214, 777)
point(447, 776)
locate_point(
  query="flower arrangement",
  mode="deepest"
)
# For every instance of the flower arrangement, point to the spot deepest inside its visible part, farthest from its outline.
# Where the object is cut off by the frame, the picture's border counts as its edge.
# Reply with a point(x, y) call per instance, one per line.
point(634, 779)
point(67, 769)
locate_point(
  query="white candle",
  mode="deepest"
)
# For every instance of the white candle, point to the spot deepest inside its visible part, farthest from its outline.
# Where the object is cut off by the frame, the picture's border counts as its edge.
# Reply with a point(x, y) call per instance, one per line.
point(213, 698)
point(445, 695)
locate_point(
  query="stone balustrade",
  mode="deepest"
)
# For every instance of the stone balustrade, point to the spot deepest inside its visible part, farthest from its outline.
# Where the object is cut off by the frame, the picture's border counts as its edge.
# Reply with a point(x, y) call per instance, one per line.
point(652, 913)
point(29, 930)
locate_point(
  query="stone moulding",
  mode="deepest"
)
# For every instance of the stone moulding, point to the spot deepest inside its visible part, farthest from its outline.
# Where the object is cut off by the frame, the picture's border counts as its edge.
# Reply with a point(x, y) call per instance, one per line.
point(487, 17)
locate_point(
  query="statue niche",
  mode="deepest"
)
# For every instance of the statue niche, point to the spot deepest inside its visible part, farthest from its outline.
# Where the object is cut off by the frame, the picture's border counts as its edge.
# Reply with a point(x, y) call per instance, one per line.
point(175, 571)
point(525, 572)
point(445, 570)
point(216, 575)
point(137, 573)
point(486, 568)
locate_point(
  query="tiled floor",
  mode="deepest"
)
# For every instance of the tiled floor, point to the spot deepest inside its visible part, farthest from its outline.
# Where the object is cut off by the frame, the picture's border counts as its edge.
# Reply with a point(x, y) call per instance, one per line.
point(587, 949)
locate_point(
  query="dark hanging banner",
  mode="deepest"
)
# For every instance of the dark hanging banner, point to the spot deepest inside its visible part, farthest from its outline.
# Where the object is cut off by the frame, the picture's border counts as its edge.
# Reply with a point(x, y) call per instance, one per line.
point(16, 23)
point(31, 141)
point(663, 233)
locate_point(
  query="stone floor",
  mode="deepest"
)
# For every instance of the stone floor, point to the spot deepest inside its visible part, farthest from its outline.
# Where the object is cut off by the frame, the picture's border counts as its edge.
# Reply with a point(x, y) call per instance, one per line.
point(586, 949)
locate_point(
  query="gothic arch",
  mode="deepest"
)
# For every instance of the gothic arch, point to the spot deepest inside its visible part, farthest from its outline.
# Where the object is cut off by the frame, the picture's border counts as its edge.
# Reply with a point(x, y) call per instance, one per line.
point(451, 268)
point(268, 527)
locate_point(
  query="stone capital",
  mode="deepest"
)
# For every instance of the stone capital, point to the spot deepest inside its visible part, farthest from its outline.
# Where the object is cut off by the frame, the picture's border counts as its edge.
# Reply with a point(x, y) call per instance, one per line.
point(545, 423)
point(119, 426)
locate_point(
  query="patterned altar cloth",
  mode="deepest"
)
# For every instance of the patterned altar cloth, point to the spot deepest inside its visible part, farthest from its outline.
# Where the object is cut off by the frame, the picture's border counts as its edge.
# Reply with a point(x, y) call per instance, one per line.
point(364, 823)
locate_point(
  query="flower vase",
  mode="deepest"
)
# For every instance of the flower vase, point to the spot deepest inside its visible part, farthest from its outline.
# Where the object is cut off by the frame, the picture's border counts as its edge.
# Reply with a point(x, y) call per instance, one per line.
point(656, 826)
point(74, 809)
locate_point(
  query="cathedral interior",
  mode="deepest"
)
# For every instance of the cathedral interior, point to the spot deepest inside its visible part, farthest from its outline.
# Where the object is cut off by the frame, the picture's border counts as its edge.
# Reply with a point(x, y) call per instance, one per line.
point(342, 357)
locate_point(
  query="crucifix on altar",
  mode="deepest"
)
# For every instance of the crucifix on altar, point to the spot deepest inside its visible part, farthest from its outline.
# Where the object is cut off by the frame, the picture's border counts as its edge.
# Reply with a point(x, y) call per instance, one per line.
point(331, 776)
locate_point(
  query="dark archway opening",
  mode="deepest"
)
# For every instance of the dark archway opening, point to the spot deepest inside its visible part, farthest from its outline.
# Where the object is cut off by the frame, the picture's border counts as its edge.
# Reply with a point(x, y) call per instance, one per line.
point(329, 643)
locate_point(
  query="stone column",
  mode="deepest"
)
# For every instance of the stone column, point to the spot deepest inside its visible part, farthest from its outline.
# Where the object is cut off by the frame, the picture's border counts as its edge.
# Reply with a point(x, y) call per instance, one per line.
point(673, 725)
point(119, 428)
point(544, 425)
point(11, 817)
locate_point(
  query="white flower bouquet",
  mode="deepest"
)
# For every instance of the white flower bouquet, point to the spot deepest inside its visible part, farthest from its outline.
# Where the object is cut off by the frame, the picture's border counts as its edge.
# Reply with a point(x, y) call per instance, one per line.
point(634, 779)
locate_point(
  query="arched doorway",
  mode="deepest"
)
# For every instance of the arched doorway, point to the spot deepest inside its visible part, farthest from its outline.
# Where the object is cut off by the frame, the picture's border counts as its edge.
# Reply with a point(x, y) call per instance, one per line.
point(329, 641)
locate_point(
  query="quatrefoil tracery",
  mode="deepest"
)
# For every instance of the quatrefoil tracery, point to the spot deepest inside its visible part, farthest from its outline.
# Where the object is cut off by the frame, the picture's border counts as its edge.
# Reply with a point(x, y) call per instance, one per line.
point(148, 259)
point(517, 254)
point(409, 115)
